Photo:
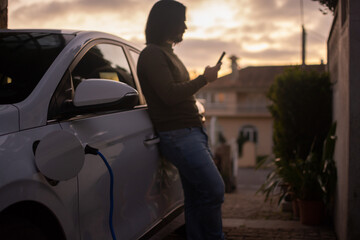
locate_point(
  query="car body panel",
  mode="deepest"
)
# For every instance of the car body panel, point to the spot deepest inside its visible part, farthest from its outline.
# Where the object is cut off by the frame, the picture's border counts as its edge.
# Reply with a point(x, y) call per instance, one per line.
point(20, 180)
point(120, 138)
point(9, 119)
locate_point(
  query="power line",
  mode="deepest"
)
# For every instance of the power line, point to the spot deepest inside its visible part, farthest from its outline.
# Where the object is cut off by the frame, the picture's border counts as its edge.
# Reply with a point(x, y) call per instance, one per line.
point(316, 35)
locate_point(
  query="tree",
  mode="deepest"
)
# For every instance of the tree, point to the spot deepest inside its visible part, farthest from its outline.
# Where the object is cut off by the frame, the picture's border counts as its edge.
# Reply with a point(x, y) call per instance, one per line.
point(3, 13)
point(330, 4)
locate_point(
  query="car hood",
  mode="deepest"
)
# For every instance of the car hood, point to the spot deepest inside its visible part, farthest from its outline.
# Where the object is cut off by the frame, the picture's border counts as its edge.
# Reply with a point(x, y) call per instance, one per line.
point(9, 119)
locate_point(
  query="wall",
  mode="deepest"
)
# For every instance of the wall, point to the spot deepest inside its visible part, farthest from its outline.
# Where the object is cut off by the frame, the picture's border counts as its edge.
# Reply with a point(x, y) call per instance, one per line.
point(339, 76)
point(354, 131)
point(344, 57)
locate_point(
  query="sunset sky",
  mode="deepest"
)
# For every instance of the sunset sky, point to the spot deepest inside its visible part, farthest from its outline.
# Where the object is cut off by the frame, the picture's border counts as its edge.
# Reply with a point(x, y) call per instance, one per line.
point(259, 32)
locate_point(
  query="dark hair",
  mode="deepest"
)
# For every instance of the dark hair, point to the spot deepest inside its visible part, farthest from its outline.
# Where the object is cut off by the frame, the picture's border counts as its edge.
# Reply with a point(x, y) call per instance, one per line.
point(164, 21)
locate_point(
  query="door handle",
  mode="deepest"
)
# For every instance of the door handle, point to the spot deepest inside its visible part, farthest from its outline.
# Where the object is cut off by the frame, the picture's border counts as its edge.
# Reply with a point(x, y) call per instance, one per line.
point(151, 141)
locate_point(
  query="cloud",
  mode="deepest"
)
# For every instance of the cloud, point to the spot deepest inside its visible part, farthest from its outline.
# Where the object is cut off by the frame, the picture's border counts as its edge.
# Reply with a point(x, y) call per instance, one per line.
point(107, 4)
point(199, 53)
point(48, 11)
point(253, 32)
point(269, 54)
point(40, 12)
point(257, 31)
point(274, 9)
point(257, 27)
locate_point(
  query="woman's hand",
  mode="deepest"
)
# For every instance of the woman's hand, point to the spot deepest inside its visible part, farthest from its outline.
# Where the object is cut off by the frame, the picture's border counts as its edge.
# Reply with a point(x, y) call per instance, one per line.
point(211, 73)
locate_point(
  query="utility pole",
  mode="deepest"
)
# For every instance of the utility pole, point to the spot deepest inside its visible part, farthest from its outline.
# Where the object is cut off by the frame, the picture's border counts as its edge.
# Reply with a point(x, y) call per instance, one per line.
point(303, 36)
point(303, 45)
point(3, 14)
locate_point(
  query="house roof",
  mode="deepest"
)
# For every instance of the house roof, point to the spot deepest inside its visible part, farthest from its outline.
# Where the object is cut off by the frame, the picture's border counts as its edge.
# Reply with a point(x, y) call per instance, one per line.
point(256, 76)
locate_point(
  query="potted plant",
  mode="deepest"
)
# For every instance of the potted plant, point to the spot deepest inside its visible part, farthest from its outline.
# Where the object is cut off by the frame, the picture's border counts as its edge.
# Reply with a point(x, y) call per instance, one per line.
point(310, 182)
point(319, 177)
point(301, 108)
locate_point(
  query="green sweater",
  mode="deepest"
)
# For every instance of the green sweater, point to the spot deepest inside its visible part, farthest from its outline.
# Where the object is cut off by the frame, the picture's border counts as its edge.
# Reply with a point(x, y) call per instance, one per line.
point(168, 90)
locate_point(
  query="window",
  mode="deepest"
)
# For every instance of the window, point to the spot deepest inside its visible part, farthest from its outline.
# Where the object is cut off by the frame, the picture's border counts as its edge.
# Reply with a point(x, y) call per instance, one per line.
point(24, 59)
point(220, 97)
point(216, 97)
point(103, 61)
point(135, 57)
point(247, 133)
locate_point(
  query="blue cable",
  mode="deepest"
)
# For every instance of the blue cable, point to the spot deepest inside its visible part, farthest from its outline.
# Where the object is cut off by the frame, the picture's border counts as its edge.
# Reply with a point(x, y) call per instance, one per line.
point(111, 195)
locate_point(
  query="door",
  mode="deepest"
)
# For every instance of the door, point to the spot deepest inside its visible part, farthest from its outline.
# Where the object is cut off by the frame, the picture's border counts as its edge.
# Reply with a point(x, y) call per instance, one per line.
point(120, 138)
point(125, 137)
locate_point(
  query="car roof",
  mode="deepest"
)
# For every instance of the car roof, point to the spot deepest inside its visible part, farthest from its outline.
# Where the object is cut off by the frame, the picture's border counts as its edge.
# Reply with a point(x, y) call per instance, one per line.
point(89, 34)
point(60, 31)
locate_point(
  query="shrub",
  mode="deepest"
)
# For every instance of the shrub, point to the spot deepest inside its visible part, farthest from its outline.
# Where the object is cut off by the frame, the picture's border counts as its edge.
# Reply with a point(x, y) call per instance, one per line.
point(302, 112)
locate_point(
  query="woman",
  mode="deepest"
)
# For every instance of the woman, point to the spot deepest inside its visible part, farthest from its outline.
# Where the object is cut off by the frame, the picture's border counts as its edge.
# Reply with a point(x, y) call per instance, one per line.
point(183, 141)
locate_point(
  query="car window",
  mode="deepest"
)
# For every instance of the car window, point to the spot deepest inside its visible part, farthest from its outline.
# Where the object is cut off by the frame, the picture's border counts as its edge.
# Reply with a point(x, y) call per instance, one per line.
point(24, 59)
point(103, 61)
point(135, 57)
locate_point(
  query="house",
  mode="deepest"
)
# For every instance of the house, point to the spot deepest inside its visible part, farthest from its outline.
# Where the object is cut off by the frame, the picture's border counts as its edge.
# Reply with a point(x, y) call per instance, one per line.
point(344, 65)
point(236, 109)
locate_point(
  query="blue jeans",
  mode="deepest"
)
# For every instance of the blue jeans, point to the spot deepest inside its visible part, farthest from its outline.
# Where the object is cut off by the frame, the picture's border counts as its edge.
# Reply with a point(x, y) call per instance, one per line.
point(202, 183)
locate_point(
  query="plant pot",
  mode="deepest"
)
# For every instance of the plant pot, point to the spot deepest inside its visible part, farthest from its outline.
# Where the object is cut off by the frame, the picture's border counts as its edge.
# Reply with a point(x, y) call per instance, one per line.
point(311, 212)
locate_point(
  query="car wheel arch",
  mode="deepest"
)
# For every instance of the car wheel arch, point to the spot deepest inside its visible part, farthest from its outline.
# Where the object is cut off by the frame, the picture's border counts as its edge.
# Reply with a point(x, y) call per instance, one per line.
point(36, 213)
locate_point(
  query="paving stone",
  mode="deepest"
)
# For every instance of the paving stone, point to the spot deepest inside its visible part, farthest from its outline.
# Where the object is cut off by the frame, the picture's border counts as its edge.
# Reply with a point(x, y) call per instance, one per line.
point(247, 217)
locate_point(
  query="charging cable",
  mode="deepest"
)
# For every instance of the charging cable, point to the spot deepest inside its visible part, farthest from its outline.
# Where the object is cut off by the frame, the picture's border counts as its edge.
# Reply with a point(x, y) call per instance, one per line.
point(94, 151)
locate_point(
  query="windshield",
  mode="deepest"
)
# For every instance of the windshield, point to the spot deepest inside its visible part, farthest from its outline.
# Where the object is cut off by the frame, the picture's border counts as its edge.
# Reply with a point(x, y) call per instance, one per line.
point(24, 59)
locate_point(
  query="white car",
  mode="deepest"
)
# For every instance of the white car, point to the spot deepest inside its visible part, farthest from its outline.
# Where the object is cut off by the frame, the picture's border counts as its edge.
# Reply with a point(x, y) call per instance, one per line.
point(61, 91)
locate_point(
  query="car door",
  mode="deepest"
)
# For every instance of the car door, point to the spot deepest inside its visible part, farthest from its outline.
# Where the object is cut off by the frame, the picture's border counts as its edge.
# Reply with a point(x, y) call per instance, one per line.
point(125, 137)
point(168, 178)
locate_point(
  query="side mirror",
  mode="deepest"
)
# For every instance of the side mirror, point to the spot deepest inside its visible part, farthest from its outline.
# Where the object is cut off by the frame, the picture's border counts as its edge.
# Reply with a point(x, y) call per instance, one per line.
point(102, 92)
point(59, 155)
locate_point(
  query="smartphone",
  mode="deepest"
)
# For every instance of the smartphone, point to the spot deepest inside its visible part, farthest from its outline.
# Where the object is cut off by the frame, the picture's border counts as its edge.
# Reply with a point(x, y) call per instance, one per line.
point(221, 57)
